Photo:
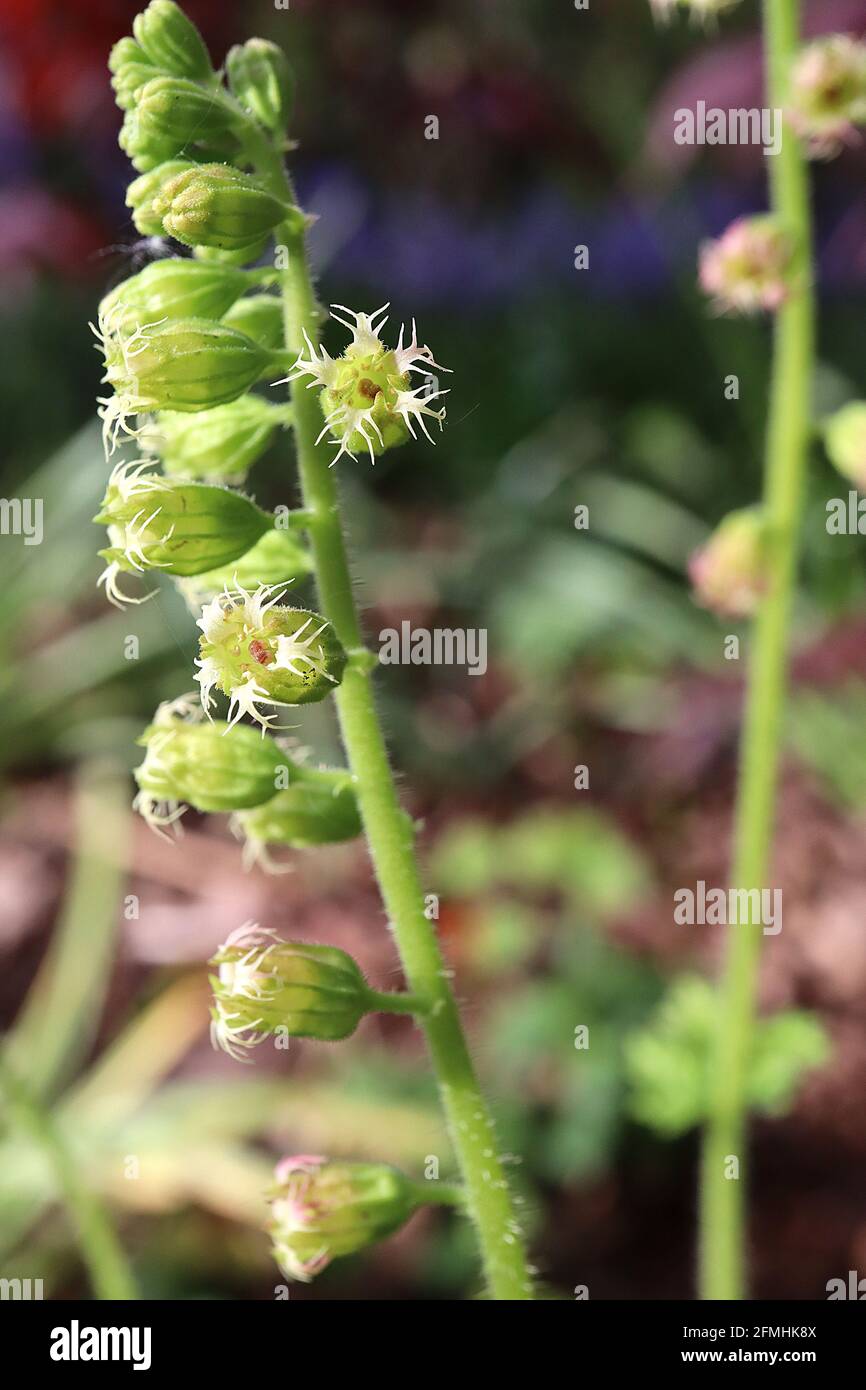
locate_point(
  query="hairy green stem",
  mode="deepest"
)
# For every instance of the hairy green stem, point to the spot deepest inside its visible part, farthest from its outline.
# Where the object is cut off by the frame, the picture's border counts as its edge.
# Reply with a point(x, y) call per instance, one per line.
point(401, 1003)
point(389, 830)
point(722, 1265)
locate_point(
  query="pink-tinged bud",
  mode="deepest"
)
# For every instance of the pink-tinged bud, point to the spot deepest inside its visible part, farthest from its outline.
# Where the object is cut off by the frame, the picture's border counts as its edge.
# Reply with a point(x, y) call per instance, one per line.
point(322, 1210)
point(845, 442)
point(728, 573)
point(828, 94)
point(749, 267)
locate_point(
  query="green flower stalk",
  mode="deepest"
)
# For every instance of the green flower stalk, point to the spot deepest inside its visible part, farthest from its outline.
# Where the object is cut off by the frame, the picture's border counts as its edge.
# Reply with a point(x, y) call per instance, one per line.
point(321, 1211)
point(258, 653)
point(723, 1204)
point(219, 445)
point(206, 765)
point(183, 528)
point(261, 80)
point(265, 986)
point(318, 807)
point(215, 205)
point(367, 396)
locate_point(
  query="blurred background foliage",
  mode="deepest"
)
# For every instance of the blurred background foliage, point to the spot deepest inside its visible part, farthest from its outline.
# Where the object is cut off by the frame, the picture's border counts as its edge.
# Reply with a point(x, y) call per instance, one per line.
point(599, 388)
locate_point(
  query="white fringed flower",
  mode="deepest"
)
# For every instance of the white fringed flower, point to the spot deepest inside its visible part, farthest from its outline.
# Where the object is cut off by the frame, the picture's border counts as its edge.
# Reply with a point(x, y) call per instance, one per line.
point(368, 401)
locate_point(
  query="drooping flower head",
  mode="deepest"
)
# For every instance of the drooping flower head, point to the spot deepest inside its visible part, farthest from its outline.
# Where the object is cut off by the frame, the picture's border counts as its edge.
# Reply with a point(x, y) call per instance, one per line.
point(748, 268)
point(729, 572)
point(321, 1211)
point(318, 807)
point(204, 765)
point(259, 653)
point(828, 93)
point(264, 986)
point(368, 399)
point(183, 528)
point(186, 364)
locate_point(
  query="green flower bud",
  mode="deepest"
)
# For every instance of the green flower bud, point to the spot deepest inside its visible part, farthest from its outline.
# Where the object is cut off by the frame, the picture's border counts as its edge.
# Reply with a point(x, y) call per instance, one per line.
point(261, 654)
point(845, 442)
point(174, 288)
point(126, 50)
point(130, 68)
point(172, 113)
point(180, 527)
point(142, 191)
point(367, 397)
point(729, 572)
point(318, 807)
point(260, 78)
point(279, 558)
point(264, 985)
point(321, 1211)
point(219, 445)
point(260, 316)
point(181, 364)
point(216, 205)
point(204, 765)
point(146, 152)
point(172, 41)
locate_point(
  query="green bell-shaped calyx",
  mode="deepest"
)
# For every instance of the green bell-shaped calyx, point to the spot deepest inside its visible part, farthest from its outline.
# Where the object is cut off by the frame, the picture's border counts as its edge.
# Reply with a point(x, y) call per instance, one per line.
point(219, 445)
point(266, 986)
point(175, 288)
point(321, 1211)
point(260, 654)
point(318, 807)
point(216, 205)
point(180, 527)
point(203, 764)
point(280, 558)
point(260, 78)
point(185, 365)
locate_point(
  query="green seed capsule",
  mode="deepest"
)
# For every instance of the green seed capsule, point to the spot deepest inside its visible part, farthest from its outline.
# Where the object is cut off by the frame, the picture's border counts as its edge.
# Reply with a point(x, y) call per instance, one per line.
point(219, 445)
point(260, 316)
point(279, 558)
point(142, 191)
point(183, 528)
point(265, 985)
point(318, 807)
point(260, 78)
point(172, 289)
point(172, 41)
point(321, 1211)
point(208, 766)
point(173, 112)
point(260, 654)
point(217, 206)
